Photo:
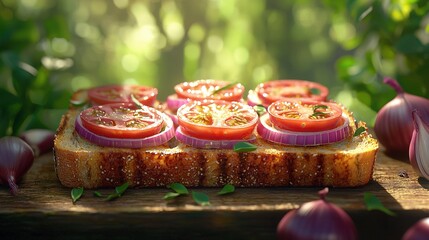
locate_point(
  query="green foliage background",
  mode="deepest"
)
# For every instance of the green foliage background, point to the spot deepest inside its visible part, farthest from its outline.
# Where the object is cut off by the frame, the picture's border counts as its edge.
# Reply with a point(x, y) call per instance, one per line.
point(50, 48)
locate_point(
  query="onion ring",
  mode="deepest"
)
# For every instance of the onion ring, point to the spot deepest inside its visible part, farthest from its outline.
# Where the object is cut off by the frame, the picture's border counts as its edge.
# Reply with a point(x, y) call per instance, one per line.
point(270, 133)
point(209, 144)
point(154, 140)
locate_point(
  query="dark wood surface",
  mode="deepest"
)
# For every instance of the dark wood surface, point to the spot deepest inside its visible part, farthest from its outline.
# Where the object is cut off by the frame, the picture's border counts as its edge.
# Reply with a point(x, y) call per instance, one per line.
point(43, 208)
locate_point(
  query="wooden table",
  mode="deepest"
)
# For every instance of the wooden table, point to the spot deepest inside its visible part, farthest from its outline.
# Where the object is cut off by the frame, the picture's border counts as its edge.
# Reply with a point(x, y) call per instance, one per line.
point(44, 208)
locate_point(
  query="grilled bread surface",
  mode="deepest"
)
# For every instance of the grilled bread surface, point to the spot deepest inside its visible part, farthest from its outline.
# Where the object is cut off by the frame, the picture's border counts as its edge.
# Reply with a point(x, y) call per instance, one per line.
point(79, 163)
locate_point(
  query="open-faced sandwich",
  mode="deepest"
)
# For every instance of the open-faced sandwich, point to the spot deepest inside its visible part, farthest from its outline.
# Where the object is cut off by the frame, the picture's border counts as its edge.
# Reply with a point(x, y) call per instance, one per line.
point(287, 133)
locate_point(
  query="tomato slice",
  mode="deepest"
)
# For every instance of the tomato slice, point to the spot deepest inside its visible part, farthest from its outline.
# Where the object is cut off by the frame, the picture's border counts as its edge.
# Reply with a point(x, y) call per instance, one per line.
point(305, 115)
point(122, 120)
point(122, 93)
point(217, 119)
point(272, 91)
point(210, 89)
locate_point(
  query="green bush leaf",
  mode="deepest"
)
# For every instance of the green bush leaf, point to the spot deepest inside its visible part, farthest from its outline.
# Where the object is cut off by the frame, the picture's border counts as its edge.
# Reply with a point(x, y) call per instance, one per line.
point(171, 195)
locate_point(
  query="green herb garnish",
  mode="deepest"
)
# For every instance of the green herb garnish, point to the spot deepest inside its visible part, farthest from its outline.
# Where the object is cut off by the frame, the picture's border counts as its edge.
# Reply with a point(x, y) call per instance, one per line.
point(222, 88)
point(373, 203)
point(259, 109)
point(201, 198)
point(317, 113)
point(76, 193)
point(118, 192)
point(171, 195)
point(178, 188)
point(315, 91)
point(319, 107)
point(227, 189)
point(98, 194)
point(358, 131)
point(244, 147)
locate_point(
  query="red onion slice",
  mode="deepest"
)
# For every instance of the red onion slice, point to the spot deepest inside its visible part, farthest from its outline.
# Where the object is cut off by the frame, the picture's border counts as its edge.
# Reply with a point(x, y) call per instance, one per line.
point(174, 102)
point(272, 134)
point(155, 140)
point(210, 144)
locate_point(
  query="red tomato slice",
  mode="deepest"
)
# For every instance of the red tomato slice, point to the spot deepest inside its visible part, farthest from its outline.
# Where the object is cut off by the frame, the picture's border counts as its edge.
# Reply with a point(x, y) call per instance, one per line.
point(122, 120)
point(305, 115)
point(210, 89)
point(217, 119)
point(122, 93)
point(272, 91)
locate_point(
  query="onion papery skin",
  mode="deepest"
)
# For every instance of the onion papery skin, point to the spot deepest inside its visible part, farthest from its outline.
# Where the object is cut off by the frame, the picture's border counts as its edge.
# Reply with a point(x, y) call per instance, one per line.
point(270, 133)
point(418, 231)
point(419, 146)
point(152, 141)
point(394, 124)
point(207, 143)
point(16, 158)
point(316, 220)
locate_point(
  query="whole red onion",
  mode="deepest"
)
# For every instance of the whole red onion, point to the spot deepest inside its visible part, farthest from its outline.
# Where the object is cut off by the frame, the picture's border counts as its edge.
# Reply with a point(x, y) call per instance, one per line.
point(419, 146)
point(317, 220)
point(419, 231)
point(394, 124)
point(40, 140)
point(16, 158)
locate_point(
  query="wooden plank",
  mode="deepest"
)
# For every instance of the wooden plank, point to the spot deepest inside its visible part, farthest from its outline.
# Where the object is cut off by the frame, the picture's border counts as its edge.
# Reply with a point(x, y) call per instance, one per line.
point(44, 207)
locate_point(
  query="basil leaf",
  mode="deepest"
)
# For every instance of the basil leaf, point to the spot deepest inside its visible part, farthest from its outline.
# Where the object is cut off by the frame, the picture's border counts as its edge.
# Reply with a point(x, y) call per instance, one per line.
point(98, 194)
point(259, 109)
point(315, 91)
point(121, 189)
point(112, 197)
point(171, 195)
point(179, 188)
point(222, 88)
point(244, 147)
point(76, 193)
point(318, 107)
point(359, 131)
point(201, 198)
point(373, 203)
point(228, 188)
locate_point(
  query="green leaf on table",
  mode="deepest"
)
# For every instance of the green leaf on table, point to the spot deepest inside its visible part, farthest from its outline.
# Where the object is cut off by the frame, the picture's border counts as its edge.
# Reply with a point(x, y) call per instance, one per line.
point(201, 198)
point(244, 147)
point(358, 131)
point(121, 189)
point(227, 189)
point(98, 194)
point(171, 195)
point(178, 188)
point(76, 193)
point(373, 203)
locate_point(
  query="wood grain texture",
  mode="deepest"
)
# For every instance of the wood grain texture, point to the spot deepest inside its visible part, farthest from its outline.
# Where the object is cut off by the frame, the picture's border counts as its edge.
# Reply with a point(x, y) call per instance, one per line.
point(43, 208)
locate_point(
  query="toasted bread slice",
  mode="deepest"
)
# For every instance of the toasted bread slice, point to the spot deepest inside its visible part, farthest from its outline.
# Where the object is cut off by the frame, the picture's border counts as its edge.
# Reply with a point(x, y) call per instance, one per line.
point(79, 163)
